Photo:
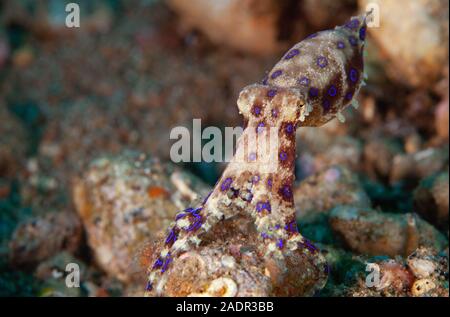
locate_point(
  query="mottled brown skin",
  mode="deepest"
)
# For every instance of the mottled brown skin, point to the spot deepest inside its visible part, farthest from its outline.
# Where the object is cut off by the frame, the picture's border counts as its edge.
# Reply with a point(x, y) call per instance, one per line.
point(309, 86)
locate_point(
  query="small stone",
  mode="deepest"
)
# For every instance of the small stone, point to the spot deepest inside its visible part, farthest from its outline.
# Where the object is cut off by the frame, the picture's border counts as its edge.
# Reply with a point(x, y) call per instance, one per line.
point(416, 54)
point(421, 287)
point(30, 243)
point(332, 187)
point(421, 274)
point(431, 199)
point(421, 268)
point(122, 206)
point(233, 23)
point(344, 151)
point(228, 263)
point(441, 119)
point(367, 231)
point(379, 155)
point(418, 165)
point(13, 144)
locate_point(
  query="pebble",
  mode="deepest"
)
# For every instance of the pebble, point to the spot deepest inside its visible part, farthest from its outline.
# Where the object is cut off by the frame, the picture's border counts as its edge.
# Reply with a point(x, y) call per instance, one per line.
point(367, 231)
point(125, 202)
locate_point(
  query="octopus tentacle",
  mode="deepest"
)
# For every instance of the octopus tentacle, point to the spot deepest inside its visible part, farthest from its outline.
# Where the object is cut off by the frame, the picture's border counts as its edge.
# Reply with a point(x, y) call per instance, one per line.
point(310, 85)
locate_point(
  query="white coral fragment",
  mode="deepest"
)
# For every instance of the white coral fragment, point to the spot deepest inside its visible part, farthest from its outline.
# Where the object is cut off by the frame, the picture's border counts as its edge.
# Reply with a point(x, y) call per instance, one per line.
point(220, 287)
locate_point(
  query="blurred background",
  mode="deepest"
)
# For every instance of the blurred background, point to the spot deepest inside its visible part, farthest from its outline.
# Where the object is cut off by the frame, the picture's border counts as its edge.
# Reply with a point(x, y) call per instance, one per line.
point(85, 117)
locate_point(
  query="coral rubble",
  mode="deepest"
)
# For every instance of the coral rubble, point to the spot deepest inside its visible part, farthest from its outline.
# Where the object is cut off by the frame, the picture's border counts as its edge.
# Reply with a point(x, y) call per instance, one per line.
point(126, 200)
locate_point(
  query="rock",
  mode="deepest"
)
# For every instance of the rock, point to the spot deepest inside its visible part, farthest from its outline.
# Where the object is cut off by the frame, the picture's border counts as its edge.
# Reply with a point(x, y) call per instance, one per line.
point(431, 272)
point(5, 189)
point(324, 14)
point(53, 273)
point(344, 151)
point(55, 267)
point(418, 165)
point(423, 273)
point(345, 268)
point(13, 143)
point(421, 268)
point(332, 187)
point(4, 50)
point(379, 154)
point(23, 57)
point(392, 279)
point(318, 141)
point(215, 272)
point(441, 115)
point(367, 231)
point(63, 268)
point(31, 242)
point(47, 19)
point(127, 200)
point(431, 199)
point(417, 48)
point(441, 119)
point(233, 22)
point(413, 143)
point(229, 262)
point(418, 109)
point(422, 287)
point(320, 149)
